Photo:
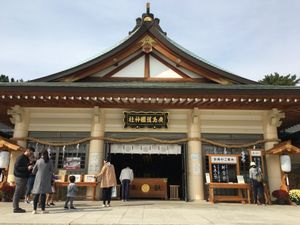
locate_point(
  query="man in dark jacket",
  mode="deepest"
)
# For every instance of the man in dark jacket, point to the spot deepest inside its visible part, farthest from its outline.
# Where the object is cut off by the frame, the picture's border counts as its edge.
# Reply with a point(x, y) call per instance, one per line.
point(22, 171)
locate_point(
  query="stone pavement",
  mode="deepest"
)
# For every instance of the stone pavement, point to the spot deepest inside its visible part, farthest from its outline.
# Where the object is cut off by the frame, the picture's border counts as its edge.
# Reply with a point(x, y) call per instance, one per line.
point(154, 212)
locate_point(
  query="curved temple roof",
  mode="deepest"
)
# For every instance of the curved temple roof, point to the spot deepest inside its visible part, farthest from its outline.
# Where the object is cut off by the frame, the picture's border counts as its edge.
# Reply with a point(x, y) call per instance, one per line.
point(148, 26)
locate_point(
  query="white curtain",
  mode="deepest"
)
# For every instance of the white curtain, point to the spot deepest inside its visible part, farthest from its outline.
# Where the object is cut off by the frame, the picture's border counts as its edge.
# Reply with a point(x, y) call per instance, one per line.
point(171, 149)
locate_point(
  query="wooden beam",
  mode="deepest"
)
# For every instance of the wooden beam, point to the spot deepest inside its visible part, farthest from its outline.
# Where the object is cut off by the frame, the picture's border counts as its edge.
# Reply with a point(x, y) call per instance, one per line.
point(147, 66)
point(189, 66)
point(101, 65)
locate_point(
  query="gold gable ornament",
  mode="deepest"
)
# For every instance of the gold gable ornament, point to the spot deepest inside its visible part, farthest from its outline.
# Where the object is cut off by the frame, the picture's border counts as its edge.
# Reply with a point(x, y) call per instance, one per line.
point(147, 43)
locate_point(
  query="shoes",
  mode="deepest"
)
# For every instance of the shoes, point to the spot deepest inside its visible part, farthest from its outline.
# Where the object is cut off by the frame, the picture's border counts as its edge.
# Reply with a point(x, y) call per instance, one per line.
point(72, 207)
point(45, 212)
point(19, 210)
point(27, 202)
point(123, 200)
point(52, 203)
point(34, 212)
point(108, 205)
point(104, 205)
point(66, 207)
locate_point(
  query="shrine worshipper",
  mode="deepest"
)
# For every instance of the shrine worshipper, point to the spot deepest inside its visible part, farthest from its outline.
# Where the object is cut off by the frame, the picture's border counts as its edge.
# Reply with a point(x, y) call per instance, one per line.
point(255, 176)
point(108, 179)
point(22, 170)
point(126, 178)
point(42, 183)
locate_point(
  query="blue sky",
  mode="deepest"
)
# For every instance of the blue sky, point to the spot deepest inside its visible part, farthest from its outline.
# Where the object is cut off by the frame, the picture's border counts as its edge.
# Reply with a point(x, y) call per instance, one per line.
point(250, 38)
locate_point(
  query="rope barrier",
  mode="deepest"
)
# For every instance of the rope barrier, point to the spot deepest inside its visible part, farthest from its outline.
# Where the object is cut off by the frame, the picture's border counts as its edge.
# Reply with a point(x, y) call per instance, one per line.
point(157, 140)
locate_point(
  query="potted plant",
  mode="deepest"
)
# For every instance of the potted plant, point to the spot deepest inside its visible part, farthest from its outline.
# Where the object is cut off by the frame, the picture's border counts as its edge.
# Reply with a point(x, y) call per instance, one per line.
point(282, 197)
point(295, 196)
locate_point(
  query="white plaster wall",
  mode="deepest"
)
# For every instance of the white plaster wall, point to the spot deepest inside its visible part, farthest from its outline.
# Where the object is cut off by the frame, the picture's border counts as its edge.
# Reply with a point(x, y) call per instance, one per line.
point(187, 72)
point(231, 121)
point(60, 119)
point(80, 119)
point(135, 69)
point(159, 70)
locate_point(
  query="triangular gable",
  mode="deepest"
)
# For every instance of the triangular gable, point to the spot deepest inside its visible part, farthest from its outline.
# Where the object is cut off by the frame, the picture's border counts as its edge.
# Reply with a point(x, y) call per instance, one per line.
point(136, 69)
point(149, 40)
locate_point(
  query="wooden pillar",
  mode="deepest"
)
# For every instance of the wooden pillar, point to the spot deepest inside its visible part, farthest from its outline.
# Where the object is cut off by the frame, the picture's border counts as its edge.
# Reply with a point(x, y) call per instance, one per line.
point(96, 151)
point(271, 122)
point(195, 168)
point(20, 117)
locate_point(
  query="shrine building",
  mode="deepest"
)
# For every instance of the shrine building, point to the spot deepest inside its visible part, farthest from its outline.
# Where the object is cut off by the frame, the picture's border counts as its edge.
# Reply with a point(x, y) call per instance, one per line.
point(177, 120)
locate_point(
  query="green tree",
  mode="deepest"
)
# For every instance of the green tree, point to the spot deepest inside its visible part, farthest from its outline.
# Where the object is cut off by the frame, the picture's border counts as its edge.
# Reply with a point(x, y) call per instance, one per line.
point(277, 79)
point(4, 78)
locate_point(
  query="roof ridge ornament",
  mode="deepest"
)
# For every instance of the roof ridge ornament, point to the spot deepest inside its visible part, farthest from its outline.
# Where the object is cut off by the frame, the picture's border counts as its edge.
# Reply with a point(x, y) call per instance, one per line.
point(148, 7)
point(147, 20)
point(148, 17)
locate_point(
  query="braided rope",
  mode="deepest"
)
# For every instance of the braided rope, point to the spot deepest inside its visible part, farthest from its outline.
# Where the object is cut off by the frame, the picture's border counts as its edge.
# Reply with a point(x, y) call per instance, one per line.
point(157, 140)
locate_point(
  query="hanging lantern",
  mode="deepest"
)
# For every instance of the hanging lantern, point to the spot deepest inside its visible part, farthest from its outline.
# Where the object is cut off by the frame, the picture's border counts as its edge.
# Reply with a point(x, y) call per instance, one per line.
point(4, 159)
point(285, 162)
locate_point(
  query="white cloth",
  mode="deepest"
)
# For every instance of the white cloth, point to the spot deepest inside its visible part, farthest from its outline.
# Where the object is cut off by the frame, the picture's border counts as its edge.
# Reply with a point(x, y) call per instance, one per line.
point(4, 159)
point(126, 174)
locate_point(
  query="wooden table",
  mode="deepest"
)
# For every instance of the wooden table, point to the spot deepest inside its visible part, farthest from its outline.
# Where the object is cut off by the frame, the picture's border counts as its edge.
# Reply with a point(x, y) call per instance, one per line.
point(239, 198)
point(59, 184)
point(149, 188)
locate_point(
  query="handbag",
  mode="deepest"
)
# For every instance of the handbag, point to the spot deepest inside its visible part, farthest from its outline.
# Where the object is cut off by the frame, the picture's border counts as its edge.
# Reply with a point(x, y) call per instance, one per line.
point(259, 176)
point(114, 192)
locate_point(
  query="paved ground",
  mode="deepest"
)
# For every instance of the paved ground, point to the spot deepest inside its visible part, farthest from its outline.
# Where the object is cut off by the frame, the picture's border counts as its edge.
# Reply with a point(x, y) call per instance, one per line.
point(155, 212)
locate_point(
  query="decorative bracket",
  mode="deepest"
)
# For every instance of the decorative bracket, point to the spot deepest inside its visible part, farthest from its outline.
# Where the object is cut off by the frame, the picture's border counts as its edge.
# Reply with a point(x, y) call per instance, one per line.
point(275, 117)
point(16, 114)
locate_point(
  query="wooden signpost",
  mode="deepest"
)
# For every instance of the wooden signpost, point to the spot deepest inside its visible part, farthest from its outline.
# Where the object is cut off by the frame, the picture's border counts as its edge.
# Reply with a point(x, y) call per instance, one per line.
point(223, 171)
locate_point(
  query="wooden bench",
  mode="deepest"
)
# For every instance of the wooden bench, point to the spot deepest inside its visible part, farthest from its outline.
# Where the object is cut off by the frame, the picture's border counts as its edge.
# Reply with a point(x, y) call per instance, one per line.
point(232, 198)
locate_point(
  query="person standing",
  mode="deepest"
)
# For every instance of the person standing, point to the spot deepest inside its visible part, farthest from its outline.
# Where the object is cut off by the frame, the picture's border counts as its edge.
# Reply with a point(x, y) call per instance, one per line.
point(71, 194)
point(108, 180)
point(22, 170)
point(126, 178)
point(42, 184)
point(50, 196)
point(30, 180)
point(255, 175)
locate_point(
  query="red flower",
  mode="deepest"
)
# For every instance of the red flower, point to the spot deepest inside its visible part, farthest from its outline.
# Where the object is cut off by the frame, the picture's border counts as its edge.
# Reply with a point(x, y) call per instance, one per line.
point(280, 194)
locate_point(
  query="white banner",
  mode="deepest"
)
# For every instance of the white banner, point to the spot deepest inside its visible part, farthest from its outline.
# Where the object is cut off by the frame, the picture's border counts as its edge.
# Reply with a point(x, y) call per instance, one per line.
point(223, 159)
point(171, 149)
point(255, 153)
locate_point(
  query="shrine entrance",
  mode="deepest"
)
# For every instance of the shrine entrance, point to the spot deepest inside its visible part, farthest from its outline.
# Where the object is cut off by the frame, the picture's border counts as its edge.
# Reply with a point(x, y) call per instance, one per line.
point(161, 166)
